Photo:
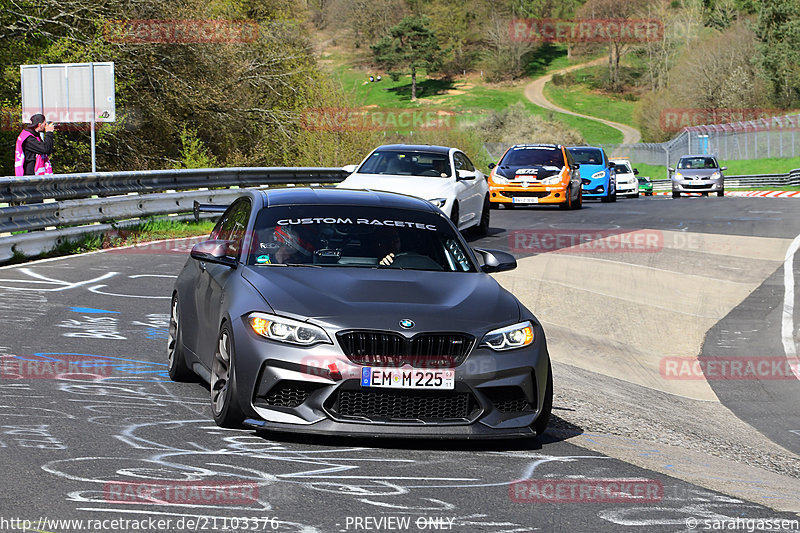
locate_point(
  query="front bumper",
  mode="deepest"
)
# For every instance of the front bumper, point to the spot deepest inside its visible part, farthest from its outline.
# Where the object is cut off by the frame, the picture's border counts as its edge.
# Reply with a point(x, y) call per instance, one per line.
point(532, 194)
point(286, 388)
point(701, 185)
point(627, 188)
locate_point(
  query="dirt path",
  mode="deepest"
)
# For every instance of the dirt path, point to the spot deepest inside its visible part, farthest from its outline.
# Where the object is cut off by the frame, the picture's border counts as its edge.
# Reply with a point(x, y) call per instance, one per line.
point(535, 93)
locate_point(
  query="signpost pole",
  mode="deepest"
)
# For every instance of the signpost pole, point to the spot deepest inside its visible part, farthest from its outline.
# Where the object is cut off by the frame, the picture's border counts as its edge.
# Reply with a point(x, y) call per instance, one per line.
point(93, 112)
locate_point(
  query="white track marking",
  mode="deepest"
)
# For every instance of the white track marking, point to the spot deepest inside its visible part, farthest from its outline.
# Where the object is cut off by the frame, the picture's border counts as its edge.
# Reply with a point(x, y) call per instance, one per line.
point(787, 319)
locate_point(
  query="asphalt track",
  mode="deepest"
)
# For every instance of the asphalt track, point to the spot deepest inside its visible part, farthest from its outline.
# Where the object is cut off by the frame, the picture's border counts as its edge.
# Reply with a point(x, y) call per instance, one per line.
point(68, 442)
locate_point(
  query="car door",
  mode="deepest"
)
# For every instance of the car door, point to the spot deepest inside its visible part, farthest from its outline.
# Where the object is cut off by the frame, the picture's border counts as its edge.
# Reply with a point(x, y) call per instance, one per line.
point(612, 176)
point(210, 292)
point(469, 192)
point(574, 172)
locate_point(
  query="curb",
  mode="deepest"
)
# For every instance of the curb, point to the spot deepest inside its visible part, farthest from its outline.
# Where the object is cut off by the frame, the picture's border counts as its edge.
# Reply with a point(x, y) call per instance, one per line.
point(747, 194)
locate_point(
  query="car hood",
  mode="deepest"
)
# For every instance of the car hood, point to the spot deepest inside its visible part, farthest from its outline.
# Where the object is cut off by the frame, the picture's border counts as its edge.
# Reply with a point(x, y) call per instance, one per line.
point(587, 170)
point(697, 171)
point(542, 171)
point(419, 186)
point(372, 298)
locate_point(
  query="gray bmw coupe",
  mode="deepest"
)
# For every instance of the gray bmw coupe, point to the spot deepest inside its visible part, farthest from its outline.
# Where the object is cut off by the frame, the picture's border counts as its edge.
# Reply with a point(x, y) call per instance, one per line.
point(331, 311)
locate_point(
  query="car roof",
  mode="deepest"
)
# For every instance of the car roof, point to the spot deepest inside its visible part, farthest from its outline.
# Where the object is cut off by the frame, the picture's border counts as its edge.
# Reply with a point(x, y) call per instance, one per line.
point(585, 146)
point(698, 155)
point(538, 145)
point(415, 148)
point(335, 196)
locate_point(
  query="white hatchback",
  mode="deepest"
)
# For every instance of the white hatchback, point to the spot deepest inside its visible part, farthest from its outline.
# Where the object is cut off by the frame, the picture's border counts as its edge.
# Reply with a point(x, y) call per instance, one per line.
point(627, 183)
point(443, 176)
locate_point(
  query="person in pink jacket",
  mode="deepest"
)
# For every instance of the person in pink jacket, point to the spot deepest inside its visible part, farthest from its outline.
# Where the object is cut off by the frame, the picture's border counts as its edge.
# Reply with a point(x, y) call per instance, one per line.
point(32, 153)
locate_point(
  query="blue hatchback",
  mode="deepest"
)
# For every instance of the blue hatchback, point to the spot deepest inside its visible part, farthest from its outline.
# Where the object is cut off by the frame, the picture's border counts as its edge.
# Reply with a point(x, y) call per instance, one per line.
point(597, 172)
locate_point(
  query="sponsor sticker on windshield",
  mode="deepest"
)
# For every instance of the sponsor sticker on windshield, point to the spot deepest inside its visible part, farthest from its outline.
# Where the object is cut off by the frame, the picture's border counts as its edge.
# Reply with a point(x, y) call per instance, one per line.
point(358, 221)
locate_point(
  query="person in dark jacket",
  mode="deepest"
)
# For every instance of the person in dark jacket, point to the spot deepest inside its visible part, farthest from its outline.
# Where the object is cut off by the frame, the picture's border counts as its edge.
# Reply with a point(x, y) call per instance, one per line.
point(32, 153)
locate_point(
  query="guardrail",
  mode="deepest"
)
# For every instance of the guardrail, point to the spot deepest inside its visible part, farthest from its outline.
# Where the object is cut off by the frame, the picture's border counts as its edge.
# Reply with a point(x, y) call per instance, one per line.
point(68, 206)
point(48, 210)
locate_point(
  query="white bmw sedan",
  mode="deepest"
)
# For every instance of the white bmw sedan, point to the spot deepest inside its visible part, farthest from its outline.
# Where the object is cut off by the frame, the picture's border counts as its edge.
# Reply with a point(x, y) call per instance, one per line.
point(443, 176)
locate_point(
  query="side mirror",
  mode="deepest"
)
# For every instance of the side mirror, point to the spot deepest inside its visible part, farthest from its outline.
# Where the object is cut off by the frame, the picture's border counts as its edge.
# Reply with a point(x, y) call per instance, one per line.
point(216, 251)
point(722, 169)
point(577, 166)
point(491, 166)
point(350, 168)
point(611, 164)
point(496, 261)
point(635, 171)
point(671, 169)
point(466, 175)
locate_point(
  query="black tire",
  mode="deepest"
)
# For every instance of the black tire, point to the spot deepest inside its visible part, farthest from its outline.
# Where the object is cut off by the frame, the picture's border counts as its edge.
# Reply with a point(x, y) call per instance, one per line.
point(676, 194)
point(482, 229)
point(721, 193)
point(567, 203)
point(494, 205)
point(648, 194)
point(176, 361)
point(454, 214)
point(224, 401)
point(579, 204)
point(636, 195)
point(540, 424)
point(609, 198)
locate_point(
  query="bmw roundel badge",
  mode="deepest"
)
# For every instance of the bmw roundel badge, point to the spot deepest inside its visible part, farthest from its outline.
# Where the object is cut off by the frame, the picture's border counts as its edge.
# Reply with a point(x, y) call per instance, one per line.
point(406, 323)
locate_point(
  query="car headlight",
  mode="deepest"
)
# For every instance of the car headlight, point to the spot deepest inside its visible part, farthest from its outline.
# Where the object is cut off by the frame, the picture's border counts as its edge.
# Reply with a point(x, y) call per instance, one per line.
point(509, 337)
point(678, 176)
point(552, 180)
point(287, 330)
point(715, 175)
point(438, 202)
point(597, 175)
point(500, 180)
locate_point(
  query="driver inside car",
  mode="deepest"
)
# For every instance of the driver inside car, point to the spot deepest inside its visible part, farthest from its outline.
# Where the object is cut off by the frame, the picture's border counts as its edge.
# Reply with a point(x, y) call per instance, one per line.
point(296, 245)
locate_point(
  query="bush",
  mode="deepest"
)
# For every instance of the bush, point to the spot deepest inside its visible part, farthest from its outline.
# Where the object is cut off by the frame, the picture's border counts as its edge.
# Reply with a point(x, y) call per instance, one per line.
point(515, 124)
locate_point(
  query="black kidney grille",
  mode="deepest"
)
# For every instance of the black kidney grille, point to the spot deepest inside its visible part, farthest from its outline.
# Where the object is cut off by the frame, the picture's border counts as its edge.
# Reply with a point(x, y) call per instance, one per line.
point(426, 406)
point(429, 350)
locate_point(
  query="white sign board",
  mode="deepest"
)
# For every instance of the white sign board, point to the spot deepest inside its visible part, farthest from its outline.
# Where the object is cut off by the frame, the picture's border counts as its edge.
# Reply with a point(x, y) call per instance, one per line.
point(69, 92)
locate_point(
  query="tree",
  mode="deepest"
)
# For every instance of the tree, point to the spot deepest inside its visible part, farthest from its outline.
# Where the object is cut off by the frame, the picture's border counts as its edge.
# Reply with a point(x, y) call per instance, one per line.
point(411, 44)
point(778, 32)
point(617, 46)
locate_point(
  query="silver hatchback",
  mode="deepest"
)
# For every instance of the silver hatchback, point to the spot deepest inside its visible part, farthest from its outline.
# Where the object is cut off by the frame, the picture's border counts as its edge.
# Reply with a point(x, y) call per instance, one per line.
point(698, 173)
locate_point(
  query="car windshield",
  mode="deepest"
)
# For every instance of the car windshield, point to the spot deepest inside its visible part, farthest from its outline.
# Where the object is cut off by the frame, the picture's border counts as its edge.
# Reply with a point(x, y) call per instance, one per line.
point(622, 168)
point(697, 162)
point(399, 163)
point(587, 156)
point(355, 236)
point(533, 156)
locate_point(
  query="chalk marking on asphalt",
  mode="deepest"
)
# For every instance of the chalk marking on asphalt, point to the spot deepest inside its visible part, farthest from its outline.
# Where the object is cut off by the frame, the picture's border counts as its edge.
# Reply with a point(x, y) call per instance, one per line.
point(96, 290)
point(787, 318)
point(64, 285)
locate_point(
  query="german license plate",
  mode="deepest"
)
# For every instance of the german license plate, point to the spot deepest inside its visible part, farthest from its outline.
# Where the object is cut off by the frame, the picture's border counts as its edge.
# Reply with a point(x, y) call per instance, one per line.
point(408, 378)
point(526, 200)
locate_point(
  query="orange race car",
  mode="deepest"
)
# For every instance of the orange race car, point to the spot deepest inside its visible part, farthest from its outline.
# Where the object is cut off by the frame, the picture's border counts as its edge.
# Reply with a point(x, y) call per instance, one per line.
point(535, 174)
